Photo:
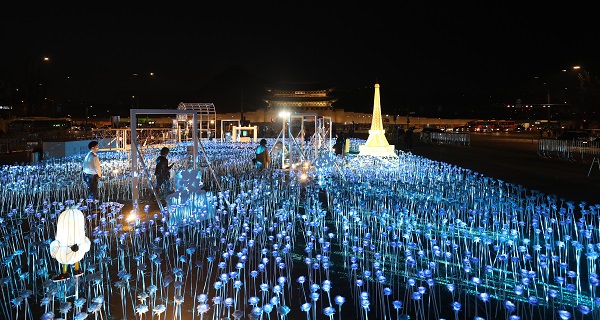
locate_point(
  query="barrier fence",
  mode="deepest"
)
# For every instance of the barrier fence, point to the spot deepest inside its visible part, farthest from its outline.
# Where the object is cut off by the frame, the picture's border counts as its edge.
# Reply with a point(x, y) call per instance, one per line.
point(462, 139)
point(572, 150)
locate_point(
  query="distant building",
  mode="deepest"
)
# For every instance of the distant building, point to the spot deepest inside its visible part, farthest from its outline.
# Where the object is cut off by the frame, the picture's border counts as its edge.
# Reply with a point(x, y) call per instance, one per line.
point(316, 98)
point(300, 97)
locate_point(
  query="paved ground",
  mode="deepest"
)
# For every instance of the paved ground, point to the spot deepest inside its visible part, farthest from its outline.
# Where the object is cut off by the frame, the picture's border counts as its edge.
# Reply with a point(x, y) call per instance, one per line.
point(15, 157)
point(513, 158)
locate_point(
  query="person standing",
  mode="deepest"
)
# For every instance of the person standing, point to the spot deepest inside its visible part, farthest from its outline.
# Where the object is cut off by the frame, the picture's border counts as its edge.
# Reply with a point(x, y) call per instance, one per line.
point(262, 155)
point(340, 144)
point(92, 170)
point(163, 171)
point(408, 138)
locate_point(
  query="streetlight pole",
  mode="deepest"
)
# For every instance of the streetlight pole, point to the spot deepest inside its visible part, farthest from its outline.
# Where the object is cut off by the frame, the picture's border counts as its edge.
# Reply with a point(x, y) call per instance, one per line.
point(548, 100)
point(584, 85)
point(547, 84)
point(34, 74)
point(137, 88)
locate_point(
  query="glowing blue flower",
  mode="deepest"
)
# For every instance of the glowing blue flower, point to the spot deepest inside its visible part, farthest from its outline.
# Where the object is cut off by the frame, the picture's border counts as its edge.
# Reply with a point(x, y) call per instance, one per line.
point(484, 296)
point(314, 296)
point(237, 284)
point(365, 304)
point(456, 306)
point(256, 311)
point(283, 310)
point(329, 311)
point(583, 309)
point(564, 314)
point(339, 300)
point(519, 290)
point(510, 307)
point(533, 301)
point(306, 307)
point(159, 309)
point(253, 301)
point(202, 298)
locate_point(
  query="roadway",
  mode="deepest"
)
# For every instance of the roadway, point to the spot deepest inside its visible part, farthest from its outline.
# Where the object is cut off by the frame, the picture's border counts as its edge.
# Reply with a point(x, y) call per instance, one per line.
point(513, 158)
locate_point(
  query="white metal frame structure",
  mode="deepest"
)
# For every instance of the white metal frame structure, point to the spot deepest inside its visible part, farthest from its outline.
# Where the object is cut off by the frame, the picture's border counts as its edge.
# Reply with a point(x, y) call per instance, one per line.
point(318, 142)
point(206, 113)
point(324, 133)
point(223, 129)
point(135, 174)
point(236, 130)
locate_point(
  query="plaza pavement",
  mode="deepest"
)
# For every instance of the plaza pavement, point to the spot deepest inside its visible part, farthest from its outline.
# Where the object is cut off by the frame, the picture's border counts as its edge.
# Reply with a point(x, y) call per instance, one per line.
point(513, 158)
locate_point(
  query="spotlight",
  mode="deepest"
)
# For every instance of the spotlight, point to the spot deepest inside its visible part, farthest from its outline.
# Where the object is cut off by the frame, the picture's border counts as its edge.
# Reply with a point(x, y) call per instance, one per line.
point(132, 216)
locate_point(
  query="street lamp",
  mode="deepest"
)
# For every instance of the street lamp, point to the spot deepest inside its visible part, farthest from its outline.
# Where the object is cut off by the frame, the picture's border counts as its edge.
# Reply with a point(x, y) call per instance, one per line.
point(87, 117)
point(285, 116)
point(136, 87)
point(547, 106)
point(35, 83)
point(586, 92)
point(547, 84)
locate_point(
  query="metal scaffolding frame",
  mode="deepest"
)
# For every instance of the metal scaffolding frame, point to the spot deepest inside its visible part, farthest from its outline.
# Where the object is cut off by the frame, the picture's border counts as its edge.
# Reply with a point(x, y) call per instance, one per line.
point(235, 121)
point(206, 113)
point(135, 174)
point(294, 145)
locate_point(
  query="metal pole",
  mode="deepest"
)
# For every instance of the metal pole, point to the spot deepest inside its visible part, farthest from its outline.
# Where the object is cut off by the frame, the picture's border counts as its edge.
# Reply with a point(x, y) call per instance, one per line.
point(283, 144)
point(134, 160)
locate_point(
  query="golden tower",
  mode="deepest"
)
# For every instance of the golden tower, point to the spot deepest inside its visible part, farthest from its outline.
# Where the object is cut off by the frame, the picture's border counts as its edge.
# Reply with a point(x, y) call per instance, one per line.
point(377, 145)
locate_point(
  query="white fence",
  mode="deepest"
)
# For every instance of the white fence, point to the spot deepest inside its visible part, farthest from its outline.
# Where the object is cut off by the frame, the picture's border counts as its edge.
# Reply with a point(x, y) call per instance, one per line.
point(462, 139)
point(568, 149)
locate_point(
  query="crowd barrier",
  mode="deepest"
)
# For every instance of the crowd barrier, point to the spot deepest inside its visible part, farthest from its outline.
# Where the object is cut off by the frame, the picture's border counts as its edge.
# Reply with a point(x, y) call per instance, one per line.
point(462, 139)
point(572, 150)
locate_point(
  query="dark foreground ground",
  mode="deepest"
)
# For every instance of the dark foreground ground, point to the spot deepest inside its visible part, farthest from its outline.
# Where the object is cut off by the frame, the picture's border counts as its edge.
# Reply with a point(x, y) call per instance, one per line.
point(513, 158)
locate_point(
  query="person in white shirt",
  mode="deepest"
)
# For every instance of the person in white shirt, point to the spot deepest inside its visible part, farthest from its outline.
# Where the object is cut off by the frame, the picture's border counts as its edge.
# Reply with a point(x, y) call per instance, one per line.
point(92, 170)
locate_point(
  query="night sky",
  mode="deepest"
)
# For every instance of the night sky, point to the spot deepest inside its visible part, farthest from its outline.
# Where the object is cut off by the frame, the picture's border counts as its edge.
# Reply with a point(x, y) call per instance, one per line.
point(444, 57)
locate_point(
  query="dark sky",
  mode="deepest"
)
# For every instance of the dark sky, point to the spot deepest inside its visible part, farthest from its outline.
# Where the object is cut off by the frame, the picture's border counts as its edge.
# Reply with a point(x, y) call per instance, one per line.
point(419, 54)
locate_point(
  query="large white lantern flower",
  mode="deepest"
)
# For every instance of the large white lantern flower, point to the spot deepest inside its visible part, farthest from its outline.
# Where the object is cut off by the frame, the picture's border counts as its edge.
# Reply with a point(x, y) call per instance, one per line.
point(70, 244)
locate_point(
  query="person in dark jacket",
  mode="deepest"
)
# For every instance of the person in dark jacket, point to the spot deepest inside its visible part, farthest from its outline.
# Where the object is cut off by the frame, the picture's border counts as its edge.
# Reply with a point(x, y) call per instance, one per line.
point(340, 143)
point(408, 138)
point(163, 172)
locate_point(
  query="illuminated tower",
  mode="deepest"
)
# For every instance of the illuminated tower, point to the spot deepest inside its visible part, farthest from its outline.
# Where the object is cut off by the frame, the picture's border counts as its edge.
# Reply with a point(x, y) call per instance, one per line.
point(377, 145)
